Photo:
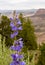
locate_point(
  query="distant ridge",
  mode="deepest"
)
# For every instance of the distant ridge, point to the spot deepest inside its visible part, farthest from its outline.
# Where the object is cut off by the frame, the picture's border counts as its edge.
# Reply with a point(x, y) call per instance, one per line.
point(40, 12)
point(18, 11)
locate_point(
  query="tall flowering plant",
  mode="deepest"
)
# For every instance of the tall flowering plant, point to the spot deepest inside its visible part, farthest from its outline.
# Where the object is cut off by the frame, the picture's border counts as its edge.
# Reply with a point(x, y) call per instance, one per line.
point(18, 44)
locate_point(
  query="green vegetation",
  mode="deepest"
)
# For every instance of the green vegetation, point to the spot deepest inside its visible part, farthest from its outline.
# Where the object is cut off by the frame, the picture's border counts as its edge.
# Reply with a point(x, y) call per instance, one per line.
point(32, 55)
point(27, 34)
point(5, 58)
point(41, 60)
point(5, 31)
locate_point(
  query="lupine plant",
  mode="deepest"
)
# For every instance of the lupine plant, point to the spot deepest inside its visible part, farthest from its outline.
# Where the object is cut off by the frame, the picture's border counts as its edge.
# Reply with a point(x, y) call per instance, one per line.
point(18, 44)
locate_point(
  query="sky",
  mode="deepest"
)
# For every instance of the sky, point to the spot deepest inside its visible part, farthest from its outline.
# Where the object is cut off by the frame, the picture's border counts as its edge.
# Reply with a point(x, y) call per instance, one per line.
point(21, 4)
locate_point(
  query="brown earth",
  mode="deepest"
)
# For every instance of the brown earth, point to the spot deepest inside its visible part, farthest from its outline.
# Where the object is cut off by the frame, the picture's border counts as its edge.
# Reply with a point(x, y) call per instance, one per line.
point(38, 20)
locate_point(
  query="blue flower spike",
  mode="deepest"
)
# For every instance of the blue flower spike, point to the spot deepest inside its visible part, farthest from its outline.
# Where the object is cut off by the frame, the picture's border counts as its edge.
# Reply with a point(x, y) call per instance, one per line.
point(18, 44)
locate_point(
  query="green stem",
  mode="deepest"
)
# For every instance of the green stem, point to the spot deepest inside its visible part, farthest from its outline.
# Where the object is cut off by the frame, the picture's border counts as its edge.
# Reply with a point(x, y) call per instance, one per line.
point(28, 57)
point(2, 43)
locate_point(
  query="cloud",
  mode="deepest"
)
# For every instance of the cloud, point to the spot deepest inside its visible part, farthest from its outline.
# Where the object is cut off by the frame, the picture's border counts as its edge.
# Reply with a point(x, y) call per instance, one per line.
point(13, 1)
point(21, 4)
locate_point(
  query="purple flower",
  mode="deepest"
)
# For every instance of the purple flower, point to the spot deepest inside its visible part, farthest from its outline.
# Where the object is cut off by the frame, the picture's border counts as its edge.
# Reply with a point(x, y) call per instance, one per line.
point(12, 24)
point(20, 56)
point(22, 63)
point(14, 63)
point(18, 63)
point(21, 43)
point(14, 28)
point(20, 28)
point(12, 48)
point(11, 19)
point(14, 34)
point(14, 56)
point(15, 42)
point(19, 23)
point(16, 48)
point(20, 39)
point(18, 44)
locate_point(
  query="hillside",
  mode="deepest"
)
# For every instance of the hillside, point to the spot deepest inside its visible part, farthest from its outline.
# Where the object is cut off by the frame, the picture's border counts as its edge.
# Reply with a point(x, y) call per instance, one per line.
point(40, 12)
point(38, 20)
point(37, 17)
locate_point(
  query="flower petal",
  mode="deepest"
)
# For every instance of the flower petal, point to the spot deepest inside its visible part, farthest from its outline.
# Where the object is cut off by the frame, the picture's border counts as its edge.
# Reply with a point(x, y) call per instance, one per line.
point(22, 63)
point(14, 28)
point(12, 24)
point(19, 23)
point(20, 28)
point(15, 42)
point(16, 33)
point(20, 39)
point(11, 19)
point(12, 35)
point(12, 48)
point(14, 63)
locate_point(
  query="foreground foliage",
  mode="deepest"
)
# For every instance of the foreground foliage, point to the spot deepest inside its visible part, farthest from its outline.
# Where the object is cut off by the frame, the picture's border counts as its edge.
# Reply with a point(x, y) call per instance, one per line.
point(41, 60)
